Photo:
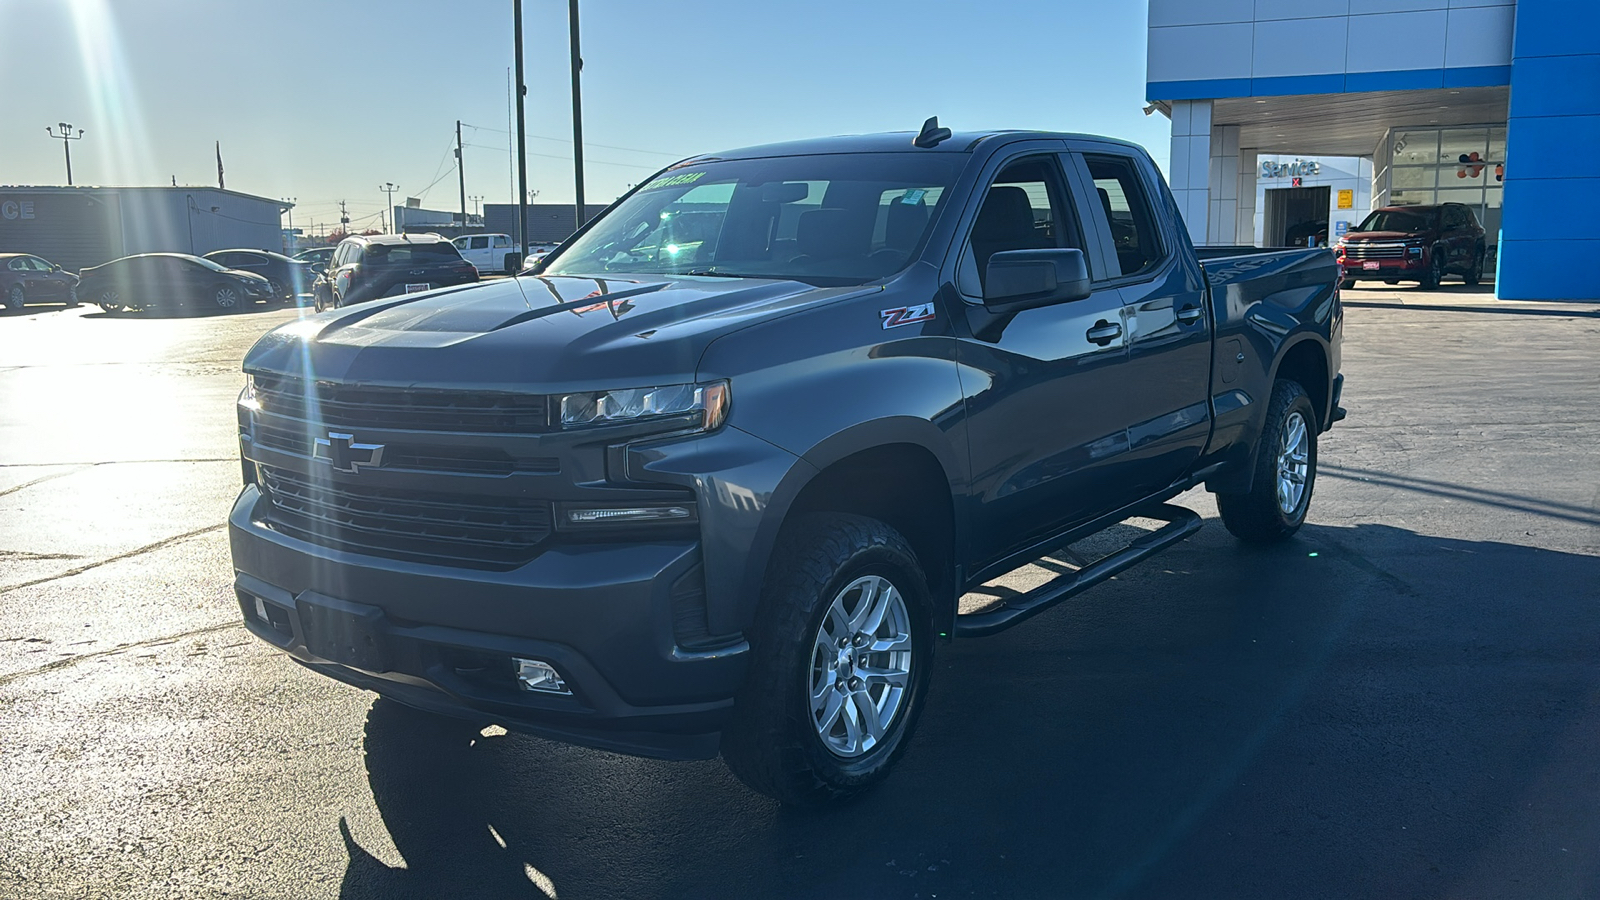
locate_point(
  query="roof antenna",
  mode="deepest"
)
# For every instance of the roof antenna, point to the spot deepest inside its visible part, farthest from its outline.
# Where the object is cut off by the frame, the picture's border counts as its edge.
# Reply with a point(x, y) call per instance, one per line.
point(931, 134)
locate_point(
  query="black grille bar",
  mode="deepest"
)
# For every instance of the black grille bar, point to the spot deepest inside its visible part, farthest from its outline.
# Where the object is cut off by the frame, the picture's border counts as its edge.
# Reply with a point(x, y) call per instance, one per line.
point(355, 406)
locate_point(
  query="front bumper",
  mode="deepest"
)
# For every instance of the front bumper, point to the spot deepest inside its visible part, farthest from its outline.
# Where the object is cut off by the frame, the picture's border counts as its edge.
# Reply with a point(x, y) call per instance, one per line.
point(1413, 267)
point(442, 639)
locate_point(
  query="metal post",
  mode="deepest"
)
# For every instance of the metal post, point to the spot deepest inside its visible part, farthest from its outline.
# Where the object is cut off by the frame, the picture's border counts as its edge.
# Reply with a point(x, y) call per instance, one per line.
point(577, 114)
point(461, 175)
point(522, 138)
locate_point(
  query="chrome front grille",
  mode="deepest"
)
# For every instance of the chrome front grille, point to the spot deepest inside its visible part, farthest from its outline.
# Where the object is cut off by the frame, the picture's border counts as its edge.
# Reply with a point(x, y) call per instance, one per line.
point(1373, 250)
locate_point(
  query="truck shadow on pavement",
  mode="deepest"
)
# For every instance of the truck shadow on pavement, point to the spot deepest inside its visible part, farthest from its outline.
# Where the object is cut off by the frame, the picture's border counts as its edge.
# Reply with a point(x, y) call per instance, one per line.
point(1362, 711)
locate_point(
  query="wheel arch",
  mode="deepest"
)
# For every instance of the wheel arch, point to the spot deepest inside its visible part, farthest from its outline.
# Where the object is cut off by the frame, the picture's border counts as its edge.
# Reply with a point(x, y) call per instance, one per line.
point(900, 472)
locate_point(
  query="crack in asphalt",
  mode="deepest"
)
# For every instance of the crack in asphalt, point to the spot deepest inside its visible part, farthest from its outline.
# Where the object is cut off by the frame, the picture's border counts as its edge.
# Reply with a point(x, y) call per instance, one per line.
point(151, 642)
point(43, 478)
point(79, 570)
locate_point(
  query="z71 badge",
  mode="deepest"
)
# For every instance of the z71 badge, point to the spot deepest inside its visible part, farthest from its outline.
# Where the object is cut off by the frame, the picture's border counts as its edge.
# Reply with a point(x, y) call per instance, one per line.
point(905, 315)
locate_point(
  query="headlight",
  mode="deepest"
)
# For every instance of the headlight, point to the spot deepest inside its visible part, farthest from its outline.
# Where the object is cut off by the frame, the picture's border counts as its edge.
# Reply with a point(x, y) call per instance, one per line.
point(637, 404)
point(247, 397)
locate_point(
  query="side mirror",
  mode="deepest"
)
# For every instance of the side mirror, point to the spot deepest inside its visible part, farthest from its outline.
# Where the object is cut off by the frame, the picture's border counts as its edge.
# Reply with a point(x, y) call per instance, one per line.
point(55, 267)
point(1026, 279)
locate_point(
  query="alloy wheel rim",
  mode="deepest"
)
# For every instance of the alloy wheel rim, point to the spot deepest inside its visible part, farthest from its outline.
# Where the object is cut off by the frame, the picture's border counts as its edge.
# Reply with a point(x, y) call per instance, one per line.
point(1294, 463)
point(15, 298)
point(226, 298)
point(110, 302)
point(860, 666)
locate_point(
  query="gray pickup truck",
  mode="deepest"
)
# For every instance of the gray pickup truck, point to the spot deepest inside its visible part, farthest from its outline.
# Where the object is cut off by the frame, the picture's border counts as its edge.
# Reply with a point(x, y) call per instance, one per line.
point(714, 475)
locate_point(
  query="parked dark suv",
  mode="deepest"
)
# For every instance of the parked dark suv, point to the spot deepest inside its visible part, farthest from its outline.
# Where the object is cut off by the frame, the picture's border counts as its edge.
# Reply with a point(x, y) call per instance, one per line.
point(384, 265)
point(1414, 243)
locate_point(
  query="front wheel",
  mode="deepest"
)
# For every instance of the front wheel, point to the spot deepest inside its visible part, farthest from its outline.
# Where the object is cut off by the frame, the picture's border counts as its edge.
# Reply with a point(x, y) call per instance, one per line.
point(1286, 471)
point(110, 301)
point(1347, 284)
point(840, 657)
point(226, 296)
point(16, 298)
point(1435, 273)
point(1475, 274)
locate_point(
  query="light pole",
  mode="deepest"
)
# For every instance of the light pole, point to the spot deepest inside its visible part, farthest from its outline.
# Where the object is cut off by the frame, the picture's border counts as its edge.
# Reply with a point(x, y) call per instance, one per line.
point(290, 210)
point(577, 113)
point(66, 136)
point(477, 202)
point(522, 148)
point(389, 187)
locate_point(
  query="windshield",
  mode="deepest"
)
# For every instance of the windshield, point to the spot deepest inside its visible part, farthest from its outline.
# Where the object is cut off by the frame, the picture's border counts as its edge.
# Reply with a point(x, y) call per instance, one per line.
point(1398, 220)
point(825, 220)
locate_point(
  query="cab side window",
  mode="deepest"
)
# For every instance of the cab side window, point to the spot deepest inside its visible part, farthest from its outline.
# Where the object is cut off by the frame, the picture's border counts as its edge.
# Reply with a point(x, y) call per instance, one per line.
point(1126, 208)
point(480, 243)
point(1024, 209)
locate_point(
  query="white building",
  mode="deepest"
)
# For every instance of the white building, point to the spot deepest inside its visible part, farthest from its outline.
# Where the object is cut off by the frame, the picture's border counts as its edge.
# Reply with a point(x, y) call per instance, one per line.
point(1491, 103)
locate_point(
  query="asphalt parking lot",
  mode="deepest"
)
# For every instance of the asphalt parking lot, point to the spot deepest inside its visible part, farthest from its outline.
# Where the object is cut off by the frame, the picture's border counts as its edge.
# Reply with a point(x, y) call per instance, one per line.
point(1402, 702)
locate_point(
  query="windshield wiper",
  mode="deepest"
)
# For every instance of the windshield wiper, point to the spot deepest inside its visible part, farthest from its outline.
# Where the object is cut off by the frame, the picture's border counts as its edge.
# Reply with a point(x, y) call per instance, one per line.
point(713, 272)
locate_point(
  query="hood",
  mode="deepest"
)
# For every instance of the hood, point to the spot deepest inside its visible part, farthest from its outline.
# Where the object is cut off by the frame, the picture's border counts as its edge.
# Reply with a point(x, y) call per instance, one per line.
point(1355, 237)
point(542, 334)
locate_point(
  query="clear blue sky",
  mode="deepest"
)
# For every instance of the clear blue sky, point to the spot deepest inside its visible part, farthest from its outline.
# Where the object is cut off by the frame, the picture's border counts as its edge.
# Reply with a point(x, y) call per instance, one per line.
point(323, 100)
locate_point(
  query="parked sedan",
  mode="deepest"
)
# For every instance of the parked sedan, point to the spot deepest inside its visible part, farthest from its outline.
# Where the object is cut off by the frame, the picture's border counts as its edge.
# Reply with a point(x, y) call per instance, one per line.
point(316, 257)
point(152, 280)
point(289, 277)
point(28, 279)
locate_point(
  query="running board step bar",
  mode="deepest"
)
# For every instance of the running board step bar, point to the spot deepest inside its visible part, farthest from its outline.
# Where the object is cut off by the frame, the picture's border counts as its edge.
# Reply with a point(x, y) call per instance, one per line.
point(1180, 524)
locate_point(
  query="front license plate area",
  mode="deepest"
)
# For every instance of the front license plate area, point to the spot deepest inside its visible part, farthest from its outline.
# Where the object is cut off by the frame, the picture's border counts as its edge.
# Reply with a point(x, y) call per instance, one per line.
point(1369, 267)
point(350, 634)
point(413, 287)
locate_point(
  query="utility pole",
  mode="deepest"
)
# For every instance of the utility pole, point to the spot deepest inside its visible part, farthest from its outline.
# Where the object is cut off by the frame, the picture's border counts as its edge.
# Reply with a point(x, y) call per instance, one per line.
point(461, 175)
point(577, 112)
point(290, 210)
point(344, 218)
point(522, 136)
point(66, 136)
point(389, 187)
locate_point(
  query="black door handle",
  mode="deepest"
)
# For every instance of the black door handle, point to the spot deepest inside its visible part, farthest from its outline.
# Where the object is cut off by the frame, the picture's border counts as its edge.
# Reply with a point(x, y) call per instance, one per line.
point(1188, 315)
point(1103, 332)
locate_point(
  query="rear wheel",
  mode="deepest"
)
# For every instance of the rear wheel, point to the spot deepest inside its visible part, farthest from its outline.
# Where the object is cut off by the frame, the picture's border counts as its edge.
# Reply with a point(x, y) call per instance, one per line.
point(1286, 471)
point(16, 298)
point(110, 301)
point(840, 658)
point(1347, 284)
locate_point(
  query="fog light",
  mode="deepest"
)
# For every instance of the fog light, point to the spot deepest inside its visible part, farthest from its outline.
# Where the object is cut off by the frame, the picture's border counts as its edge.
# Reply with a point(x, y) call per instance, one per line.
point(261, 611)
point(628, 514)
point(536, 675)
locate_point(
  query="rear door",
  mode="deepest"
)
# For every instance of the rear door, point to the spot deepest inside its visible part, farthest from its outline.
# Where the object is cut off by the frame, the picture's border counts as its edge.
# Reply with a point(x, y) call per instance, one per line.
point(1044, 425)
point(1164, 387)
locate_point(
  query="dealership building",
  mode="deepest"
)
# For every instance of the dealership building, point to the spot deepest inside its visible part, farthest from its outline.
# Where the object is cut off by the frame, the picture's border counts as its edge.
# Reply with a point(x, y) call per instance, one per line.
point(1489, 103)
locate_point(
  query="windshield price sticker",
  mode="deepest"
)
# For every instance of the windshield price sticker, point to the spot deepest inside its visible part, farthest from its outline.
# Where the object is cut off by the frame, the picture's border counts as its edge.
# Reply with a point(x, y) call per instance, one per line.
point(667, 181)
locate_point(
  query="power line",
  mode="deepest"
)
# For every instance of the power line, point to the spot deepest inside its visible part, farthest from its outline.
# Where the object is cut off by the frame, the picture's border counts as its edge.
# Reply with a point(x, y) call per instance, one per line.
point(585, 143)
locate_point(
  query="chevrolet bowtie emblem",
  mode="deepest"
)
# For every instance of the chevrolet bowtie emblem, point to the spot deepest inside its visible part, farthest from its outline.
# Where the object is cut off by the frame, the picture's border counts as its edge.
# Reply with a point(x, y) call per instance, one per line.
point(342, 451)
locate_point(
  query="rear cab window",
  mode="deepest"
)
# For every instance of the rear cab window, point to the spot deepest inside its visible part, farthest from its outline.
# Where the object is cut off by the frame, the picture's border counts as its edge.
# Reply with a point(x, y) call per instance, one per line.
point(1123, 207)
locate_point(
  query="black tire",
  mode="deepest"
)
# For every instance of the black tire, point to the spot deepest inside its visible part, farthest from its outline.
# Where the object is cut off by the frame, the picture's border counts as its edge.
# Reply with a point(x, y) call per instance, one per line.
point(16, 298)
point(72, 298)
point(1474, 275)
point(772, 743)
point(1435, 273)
point(1391, 281)
point(110, 300)
point(1259, 517)
point(1347, 284)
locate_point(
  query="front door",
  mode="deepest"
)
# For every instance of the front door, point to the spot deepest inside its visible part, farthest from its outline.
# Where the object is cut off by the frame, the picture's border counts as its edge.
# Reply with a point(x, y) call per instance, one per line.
point(1043, 423)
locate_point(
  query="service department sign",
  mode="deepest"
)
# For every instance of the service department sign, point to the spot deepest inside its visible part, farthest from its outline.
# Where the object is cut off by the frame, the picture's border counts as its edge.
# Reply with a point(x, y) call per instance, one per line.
point(12, 210)
point(1270, 169)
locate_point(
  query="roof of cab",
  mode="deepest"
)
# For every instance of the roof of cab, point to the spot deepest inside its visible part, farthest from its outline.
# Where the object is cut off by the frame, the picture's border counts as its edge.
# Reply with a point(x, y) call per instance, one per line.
point(892, 142)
